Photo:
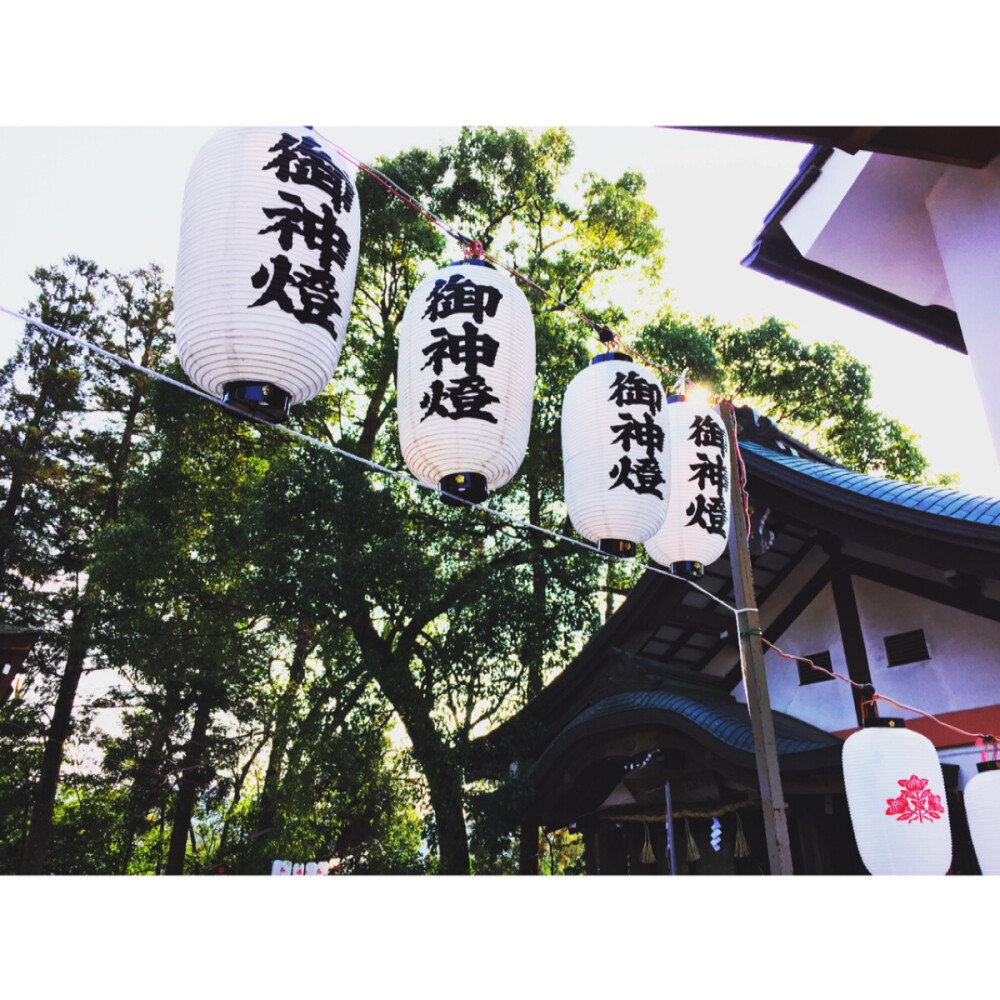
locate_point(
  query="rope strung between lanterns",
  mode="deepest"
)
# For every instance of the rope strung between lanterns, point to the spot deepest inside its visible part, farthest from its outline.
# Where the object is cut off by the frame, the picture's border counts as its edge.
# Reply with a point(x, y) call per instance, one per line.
point(330, 447)
point(870, 697)
point(686, 813)
point(981, 739)
point(474, 248)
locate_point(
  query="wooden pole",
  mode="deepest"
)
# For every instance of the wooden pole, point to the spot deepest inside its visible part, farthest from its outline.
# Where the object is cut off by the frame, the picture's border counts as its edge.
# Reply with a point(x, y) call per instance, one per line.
point(754, 679)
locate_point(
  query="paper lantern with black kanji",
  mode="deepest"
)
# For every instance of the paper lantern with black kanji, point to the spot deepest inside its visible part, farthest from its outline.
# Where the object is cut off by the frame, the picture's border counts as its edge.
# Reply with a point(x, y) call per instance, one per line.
point(982, 807)
point(896, 797)
point(270, 233)
point(465, 380)
point(615, 454)
point(695, 531)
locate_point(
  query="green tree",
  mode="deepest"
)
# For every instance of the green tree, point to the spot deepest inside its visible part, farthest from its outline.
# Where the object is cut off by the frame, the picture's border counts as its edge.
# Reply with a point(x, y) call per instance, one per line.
point(444, 604)
point(819, 393)
point(73, 419)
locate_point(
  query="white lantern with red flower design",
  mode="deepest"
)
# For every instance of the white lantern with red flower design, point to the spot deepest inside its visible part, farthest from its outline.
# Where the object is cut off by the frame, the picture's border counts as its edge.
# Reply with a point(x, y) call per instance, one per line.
point(695, 531)
point(982, 807)
point(465, 380)
point(614, 446)
point(896, 797)
point(270, 234)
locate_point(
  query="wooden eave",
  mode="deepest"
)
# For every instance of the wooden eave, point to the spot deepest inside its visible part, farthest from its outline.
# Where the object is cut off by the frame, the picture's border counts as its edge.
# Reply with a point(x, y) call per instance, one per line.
point(961, 145)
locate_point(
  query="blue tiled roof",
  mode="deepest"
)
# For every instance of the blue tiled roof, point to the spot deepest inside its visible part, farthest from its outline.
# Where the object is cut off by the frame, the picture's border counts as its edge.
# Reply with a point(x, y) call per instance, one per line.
point(725, 720)
point(913, 496)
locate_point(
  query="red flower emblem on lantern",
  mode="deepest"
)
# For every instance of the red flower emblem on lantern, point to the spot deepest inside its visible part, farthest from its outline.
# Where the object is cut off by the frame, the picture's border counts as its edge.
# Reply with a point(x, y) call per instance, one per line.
point(916, 802)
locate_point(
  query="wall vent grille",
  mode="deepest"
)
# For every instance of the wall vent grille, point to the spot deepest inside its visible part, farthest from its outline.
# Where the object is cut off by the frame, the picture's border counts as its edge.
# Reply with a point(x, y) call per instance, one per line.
point(906, 647)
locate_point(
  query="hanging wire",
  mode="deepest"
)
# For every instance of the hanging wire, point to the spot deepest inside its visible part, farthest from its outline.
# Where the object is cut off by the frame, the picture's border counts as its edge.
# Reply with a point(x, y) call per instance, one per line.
point(330, 447)
point(474, 248)
point(870, 697)
point(502, 515)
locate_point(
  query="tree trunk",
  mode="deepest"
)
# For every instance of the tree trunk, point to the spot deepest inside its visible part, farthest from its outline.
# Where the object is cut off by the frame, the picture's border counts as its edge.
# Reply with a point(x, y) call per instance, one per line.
point(445, 785)
point(391, 671)
point(147, 784)
point(305, 643)
point(40, 832)
point(534, 641)
point(444, 781)
point(192, 774)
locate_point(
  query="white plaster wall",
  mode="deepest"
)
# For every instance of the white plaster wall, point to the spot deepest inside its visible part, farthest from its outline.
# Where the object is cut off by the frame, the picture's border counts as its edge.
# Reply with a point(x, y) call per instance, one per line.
point(869, 220)
point(964, 209)
point(806, 219)
point(963, 671)
point(826, 704)
point(964, 668)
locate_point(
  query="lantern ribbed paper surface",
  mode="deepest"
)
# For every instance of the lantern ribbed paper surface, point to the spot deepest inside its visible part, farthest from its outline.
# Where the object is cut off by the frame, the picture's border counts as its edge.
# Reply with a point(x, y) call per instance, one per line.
point(696, 529)
point(270, 232)
point(982, 807)
point(466, 379)
point(614, 452)
point(895, 793)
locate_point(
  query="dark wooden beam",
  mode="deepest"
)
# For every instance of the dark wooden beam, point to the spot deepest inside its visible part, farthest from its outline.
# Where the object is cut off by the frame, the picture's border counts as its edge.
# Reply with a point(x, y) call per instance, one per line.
point(941, 593)
point(851, 635)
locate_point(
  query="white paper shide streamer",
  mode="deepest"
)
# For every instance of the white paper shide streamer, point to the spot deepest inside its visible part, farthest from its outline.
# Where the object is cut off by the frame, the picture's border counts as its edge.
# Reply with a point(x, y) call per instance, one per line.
point(614, 454)
point(270, 233)
point(695, 531)
point(465, 380)
point(896, 797)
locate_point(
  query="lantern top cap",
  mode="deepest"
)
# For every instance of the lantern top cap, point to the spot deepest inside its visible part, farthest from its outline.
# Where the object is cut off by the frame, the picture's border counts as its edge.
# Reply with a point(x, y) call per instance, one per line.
point(610, 356)
point(881, 723)
point(677, 398)
point(471, 260)
point(988, 765)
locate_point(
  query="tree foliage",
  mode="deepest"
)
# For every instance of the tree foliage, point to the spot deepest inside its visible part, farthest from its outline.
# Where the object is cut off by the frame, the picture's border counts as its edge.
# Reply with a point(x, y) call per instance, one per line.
point(819, 393)
point(304, 647)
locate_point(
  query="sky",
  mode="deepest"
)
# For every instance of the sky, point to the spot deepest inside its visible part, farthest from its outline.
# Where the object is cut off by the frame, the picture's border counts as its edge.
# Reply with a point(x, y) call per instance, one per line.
point(113, 194)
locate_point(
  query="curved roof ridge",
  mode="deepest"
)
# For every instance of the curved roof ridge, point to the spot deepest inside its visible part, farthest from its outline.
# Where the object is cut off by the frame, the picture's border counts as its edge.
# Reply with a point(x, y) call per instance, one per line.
point(726, 719)
point(939, 500)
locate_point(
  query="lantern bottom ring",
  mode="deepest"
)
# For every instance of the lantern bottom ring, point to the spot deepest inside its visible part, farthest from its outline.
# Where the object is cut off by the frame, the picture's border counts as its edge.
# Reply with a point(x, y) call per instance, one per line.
point(261, 400)
point(689, 570)
point(462, 488)
point(617, 547)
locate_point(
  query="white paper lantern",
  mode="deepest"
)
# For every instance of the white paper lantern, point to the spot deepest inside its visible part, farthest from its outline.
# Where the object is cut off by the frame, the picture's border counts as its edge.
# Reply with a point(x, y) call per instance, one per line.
point(982, 807)
point(695, 531)
point(298, 869)
point(896, 797)
point(615, 454)
point(466, 380)
point(311, 868)
point(323, 868)
point(270, 232)
point(281, 868)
